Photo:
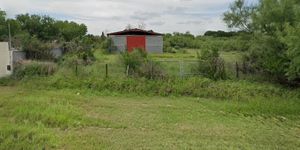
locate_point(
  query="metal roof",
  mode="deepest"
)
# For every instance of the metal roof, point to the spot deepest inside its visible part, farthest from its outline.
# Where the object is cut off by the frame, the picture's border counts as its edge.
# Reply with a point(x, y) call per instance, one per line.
point(135, 32)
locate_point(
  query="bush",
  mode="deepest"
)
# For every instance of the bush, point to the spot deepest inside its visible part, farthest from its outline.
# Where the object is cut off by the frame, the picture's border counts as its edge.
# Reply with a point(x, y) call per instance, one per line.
point(33, 68)
point(151, 70)
point(36, 49)
point(141, 65)
point(210, 65)
point(133, 59)
point(81, 50)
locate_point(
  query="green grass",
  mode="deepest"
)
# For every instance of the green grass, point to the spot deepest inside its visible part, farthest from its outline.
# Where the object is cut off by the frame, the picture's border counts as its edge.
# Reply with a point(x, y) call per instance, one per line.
point(86, 119)
point(88, 111)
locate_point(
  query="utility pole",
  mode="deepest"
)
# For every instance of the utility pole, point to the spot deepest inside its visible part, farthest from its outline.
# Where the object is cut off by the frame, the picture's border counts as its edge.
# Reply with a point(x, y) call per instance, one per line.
point(10, 49)
point(9, 37)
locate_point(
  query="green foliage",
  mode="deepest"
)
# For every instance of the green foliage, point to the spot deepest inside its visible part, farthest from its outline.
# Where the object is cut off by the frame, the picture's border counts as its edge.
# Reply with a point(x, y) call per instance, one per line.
point(81, 48)
point(43, 27)
point(36, 49)
point(71, 30)
point(293, 53)
point(37, 35)
point(210, 65)
point(237, 41)
point(274, 48)
point(32, 68)
point(267, 54)
point(3, 25)
point(140, 65)
point(239, 16)
point(133, 59)
point(223, 33)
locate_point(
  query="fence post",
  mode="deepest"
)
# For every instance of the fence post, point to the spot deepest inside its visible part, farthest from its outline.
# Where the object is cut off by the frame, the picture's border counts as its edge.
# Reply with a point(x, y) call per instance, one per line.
point(76, 68)
point(106, 70)
point(127, 71)
point(151, 70)
point(181, 69)
point(245, 71)
point(237, 70)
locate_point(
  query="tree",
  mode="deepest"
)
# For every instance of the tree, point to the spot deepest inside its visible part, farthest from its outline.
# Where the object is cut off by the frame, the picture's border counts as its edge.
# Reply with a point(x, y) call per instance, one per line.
point(275, 48)
point(3, 25)
point(239, 16)
point(43, 27)
point(71, 30)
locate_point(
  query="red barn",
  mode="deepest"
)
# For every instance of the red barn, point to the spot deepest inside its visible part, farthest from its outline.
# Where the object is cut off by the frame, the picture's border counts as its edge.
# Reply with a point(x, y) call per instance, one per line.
point(130, 39)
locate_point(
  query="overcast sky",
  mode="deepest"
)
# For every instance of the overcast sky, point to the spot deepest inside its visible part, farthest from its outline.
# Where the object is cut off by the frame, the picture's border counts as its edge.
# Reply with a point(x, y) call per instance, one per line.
point(165, 16)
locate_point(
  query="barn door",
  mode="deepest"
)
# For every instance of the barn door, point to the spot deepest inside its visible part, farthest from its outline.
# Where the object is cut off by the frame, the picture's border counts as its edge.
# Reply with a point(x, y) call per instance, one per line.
point(136, 42)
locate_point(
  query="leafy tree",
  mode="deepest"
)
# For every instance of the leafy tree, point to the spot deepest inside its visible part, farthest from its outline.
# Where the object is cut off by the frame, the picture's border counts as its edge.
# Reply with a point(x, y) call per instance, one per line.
point(43, 27)
point(3, 25)
point(293, 53)
point(71, 30)
point(275, 46)
point(239, 16)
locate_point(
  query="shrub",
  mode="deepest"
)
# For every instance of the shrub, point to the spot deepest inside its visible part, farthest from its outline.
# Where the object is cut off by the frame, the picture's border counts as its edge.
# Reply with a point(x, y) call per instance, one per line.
point(210, 65)
point(36, 49)
point(151, 70)
point(141, 65)
point(33, 68)
point(133, 59)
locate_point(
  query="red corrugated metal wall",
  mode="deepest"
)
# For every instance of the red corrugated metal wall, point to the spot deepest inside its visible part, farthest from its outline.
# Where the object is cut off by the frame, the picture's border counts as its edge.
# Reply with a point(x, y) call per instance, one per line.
point(136, 42)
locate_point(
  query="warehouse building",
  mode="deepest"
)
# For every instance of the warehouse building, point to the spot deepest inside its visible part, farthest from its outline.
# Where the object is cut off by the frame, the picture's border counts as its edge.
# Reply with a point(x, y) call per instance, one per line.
point(130, 39)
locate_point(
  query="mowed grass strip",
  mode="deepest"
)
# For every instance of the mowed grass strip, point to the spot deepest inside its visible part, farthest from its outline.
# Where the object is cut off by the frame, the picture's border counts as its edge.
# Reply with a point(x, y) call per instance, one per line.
point(74, 119)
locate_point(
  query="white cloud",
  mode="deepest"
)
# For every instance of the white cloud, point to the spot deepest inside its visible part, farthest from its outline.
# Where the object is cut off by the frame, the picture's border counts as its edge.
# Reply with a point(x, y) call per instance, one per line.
point(195, 16)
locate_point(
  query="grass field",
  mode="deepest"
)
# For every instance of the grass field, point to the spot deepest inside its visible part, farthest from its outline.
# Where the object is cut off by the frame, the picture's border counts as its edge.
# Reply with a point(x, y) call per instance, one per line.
point(82, 119)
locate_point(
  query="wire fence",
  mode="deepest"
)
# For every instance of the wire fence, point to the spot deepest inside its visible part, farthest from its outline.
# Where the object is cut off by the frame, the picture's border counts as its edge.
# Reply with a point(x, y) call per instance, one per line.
point(170, 67)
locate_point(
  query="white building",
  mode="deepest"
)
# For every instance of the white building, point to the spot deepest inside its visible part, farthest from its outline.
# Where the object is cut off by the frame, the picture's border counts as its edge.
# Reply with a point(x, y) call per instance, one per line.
point(5, 60)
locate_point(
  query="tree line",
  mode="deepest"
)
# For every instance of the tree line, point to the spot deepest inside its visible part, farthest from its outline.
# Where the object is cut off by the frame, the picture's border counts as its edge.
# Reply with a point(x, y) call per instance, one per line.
point(37, 35)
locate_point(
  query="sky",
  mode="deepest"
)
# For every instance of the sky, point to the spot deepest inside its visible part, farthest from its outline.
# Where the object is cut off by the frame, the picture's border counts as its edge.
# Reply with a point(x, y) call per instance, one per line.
point(164, 16)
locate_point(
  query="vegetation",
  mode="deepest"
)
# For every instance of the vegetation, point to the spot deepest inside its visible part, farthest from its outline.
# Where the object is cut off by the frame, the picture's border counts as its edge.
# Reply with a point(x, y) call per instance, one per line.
point(91, 98)
point(211, 65)
point(38, 35)
point(86, 119)
point(138, 63)
point(274, 49)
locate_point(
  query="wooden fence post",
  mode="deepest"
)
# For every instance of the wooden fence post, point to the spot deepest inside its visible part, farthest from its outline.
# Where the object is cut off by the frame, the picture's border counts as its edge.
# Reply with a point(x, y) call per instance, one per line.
point(76, 68)
point(127, 71)
point(151, 70)
point(106, 70)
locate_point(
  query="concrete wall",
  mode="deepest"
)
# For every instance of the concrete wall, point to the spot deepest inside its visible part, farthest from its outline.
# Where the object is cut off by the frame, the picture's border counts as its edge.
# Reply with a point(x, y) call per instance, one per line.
point(154, 44)
point(5, 59)
point(57, 52)
point(18, 56)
